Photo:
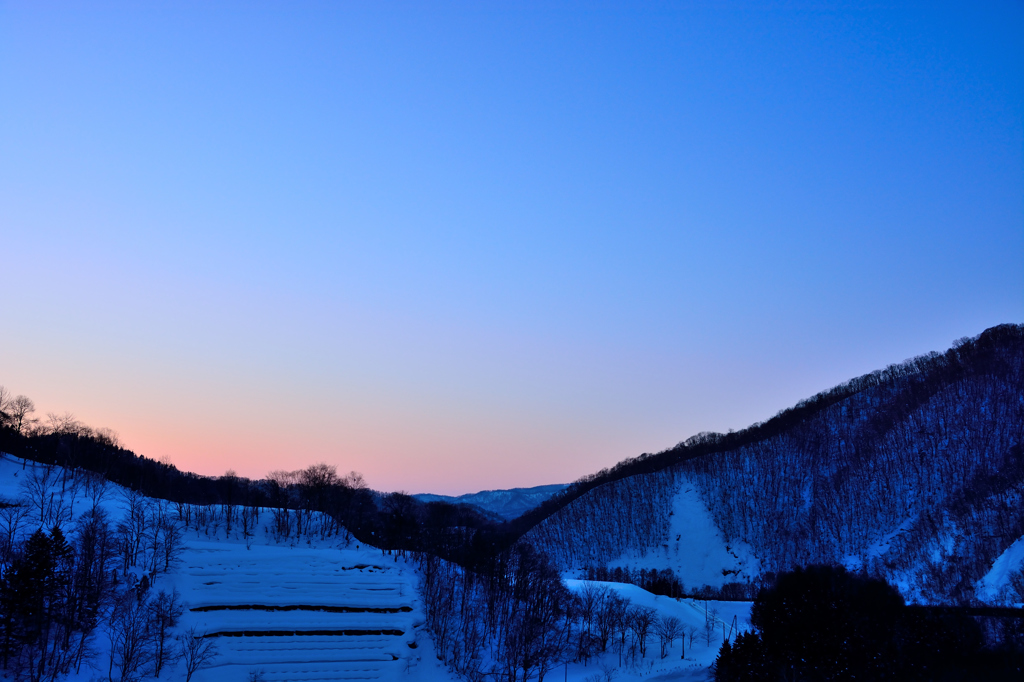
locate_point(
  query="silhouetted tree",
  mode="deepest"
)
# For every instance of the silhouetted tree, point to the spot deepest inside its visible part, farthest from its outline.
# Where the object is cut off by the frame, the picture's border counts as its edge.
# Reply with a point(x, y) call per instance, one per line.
point(196, 651)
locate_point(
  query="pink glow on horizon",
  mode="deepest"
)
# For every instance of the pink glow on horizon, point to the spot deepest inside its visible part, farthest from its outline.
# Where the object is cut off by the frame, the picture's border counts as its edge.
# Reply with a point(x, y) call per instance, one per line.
point(460, 248)
point(401, 442)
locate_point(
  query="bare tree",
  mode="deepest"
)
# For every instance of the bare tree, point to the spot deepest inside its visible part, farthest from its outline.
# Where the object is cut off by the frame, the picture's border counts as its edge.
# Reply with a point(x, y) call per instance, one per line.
point(623, 623)
point(643, 619)
point(164, 611)
point(19, 410)
point(229, 481)
point(609, 613)
point(353, 487)
point(5, 399)
point(668, 629)
point(283, 478)
point(280, 483)
point(171, 546)
point(591, 598)
point(63, 424)
point(196, 650)
point(354, 480)
point(315, 481)
point(95, 488)
point(248, 519)
point(40, 487)
point(93, 580)
point(691, 633)
point(108, 437)
point(154, 536)
point(130, 644)
point(133, 528)
point(11, 519)
point(709, 625)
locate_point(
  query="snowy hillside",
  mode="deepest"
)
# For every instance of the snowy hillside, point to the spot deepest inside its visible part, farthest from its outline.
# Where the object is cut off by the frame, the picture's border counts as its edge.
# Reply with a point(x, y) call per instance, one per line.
point(644, 522)
point(695, 550)
point(702, 626)
point(915, 474)
point(506, 504)
point(296, 605)
point(308, 608)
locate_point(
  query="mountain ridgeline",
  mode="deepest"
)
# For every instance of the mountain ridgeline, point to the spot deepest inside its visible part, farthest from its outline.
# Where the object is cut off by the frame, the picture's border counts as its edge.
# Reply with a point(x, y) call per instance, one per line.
point(502, 504)
point(914, 473)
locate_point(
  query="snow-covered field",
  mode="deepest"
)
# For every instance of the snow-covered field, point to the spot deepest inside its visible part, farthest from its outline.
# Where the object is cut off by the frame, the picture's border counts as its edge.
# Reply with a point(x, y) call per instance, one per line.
point(304, 613)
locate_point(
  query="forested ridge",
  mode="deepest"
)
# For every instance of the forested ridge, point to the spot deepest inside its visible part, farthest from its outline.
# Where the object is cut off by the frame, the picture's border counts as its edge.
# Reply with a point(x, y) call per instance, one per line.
point(388, 520)
point(915, 473)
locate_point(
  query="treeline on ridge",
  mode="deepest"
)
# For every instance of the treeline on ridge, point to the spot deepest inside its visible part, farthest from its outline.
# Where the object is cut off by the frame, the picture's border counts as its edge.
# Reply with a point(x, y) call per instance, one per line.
point(918, 479)
point(924, 375)
point(393, 521)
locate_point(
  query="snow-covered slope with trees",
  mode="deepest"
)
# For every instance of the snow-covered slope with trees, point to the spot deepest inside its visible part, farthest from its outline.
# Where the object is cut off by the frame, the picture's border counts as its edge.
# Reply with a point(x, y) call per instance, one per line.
point(650, 521)
point(915, 473)
point(137, 588)
point(144, 581)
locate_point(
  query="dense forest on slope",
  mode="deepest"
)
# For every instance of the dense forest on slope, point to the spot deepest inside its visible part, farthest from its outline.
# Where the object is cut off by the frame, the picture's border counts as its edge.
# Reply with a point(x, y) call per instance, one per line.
point(915, 472)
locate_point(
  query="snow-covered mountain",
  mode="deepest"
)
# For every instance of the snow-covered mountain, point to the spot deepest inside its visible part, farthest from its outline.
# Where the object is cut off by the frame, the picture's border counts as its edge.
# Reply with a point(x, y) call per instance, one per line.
point(505, 504)
point(914, 473)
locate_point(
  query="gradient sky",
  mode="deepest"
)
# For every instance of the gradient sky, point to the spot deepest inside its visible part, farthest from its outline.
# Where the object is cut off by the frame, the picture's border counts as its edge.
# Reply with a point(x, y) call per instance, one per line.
point(479, 245)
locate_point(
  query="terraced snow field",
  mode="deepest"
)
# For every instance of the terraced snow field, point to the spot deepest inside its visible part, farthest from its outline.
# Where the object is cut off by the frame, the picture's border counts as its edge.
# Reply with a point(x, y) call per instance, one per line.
point(303, 614)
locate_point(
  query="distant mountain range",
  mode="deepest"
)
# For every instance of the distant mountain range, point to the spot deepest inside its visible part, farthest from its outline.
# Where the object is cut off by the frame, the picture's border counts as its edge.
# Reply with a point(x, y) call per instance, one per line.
point(504, 504)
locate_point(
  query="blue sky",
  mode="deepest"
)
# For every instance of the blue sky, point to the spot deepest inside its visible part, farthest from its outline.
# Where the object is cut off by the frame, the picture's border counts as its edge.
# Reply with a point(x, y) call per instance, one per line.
point(465, 246)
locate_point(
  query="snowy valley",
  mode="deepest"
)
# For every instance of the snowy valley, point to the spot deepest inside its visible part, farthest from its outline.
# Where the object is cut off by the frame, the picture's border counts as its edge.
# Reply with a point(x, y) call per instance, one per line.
point(315, 604)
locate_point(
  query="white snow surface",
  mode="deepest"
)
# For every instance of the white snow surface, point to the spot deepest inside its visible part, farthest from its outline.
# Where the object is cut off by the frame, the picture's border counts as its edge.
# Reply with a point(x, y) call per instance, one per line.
point(992, 585)
point(695, 548)
point(374, 646)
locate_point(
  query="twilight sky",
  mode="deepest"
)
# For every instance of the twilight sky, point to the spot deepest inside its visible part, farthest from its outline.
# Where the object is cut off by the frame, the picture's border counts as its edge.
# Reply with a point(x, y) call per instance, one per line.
point(460, 246)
